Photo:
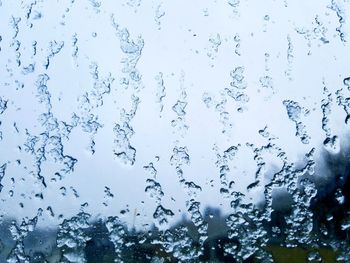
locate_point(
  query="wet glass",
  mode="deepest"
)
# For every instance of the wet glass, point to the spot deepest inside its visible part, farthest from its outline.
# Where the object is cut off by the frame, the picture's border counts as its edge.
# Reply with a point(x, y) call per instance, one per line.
point(174, 131)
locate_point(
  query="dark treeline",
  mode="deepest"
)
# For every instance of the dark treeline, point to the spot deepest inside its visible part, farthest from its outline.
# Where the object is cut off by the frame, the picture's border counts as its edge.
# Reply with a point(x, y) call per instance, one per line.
point(331, 224)
point(138, 246)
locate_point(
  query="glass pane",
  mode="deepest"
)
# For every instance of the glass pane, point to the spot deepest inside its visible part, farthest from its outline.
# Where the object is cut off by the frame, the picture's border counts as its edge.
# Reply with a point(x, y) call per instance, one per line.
point(174, 131)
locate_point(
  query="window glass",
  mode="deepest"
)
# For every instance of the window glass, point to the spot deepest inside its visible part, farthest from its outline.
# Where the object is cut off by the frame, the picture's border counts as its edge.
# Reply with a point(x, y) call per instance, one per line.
point(174, 131)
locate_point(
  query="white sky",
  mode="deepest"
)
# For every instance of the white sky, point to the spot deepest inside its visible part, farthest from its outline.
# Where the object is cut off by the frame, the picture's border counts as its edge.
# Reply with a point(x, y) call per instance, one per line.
point(178, 46)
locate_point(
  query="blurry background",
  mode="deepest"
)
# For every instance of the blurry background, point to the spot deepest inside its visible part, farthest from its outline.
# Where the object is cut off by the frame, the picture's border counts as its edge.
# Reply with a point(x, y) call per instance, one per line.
point(154, 112)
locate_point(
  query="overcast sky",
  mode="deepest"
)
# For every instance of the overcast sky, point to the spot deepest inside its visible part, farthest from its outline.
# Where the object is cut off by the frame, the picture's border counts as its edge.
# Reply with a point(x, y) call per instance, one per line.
point(279, 51)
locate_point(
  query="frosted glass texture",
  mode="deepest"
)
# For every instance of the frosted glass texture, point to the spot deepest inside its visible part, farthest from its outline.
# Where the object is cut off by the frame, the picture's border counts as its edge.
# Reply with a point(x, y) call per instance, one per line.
point(174, 131)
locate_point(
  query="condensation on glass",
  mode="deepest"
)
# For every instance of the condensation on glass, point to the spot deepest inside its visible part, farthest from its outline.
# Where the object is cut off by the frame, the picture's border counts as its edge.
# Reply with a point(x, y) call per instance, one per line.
point(174, 131)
